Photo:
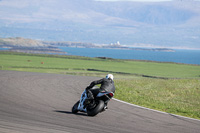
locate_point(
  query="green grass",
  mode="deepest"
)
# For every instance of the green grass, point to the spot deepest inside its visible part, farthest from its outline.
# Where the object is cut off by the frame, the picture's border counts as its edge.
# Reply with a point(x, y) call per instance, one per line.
point(72, 64)
point(177, 96)
point(173, 88)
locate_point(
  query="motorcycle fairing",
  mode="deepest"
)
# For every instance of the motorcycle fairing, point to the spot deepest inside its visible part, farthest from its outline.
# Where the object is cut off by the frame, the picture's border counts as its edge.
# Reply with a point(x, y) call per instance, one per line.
point(81, 103)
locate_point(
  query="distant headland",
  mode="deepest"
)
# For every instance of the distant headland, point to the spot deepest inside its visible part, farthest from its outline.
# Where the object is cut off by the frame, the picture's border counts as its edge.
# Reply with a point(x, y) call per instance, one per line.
point(20, 44)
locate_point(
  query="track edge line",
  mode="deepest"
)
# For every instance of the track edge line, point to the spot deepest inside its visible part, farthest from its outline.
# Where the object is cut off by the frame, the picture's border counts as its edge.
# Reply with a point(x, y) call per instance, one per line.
point(154, 110)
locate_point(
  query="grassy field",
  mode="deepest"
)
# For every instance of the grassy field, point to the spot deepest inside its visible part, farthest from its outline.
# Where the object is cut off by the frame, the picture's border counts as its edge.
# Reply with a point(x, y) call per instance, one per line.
point(169, 87)
point(76, 65)
point(177, 96)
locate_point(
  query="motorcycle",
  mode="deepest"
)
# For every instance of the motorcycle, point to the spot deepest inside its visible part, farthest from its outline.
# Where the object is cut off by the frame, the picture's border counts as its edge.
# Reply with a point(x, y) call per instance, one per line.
point(92, 106)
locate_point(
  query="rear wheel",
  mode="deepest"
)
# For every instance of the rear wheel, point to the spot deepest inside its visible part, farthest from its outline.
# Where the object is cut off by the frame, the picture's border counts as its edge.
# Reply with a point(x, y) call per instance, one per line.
point(98, 108)
point(75, 107)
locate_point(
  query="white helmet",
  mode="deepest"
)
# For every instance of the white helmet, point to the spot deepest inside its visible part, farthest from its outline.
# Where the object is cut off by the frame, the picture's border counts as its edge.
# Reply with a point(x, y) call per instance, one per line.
point(109, 76)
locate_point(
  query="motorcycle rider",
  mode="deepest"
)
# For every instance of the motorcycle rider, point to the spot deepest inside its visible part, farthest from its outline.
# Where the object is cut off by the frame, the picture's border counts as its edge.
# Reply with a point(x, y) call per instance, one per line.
point(107, 84)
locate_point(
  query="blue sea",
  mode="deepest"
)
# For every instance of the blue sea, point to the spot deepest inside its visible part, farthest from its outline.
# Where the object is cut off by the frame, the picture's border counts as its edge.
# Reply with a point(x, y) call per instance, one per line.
point(179, 56)
point(4, 48)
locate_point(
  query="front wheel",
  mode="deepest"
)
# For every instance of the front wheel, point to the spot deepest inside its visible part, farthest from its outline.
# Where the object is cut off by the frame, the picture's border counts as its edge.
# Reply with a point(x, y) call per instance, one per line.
point(98, 108)
point(75, 107)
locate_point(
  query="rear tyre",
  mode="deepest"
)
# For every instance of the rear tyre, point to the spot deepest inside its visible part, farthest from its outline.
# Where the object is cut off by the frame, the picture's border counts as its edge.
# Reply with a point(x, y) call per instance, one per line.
point(98, 108)
point(75, 107)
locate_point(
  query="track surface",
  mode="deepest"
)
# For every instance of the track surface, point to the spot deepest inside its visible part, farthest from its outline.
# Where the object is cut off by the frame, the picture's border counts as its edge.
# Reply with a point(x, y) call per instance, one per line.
point(41, 103)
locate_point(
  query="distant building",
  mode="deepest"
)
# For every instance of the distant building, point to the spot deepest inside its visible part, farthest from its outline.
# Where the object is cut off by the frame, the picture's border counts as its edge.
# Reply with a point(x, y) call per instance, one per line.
point(118, 43)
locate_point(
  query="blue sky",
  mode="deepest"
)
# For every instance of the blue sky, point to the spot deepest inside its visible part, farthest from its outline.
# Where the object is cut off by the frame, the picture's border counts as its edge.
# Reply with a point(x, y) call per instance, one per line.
point(137, 0)
point(141, 0)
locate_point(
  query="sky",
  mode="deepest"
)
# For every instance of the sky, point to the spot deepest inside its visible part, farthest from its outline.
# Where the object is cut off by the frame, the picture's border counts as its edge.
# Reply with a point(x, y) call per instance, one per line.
point(137, 0)
point(141, 0)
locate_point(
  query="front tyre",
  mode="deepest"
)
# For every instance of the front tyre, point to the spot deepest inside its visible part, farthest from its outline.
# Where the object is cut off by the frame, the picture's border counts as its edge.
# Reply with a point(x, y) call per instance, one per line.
point(98, 108)
point(75, 107)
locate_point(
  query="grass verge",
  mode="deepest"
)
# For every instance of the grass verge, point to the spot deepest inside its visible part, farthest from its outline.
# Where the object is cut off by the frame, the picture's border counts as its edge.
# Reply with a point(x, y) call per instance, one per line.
point(177, 96)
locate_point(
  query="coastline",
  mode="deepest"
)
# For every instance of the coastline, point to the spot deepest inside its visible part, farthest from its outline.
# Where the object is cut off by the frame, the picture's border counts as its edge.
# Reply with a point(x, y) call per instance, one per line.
point(115, 51)
point(30, 45)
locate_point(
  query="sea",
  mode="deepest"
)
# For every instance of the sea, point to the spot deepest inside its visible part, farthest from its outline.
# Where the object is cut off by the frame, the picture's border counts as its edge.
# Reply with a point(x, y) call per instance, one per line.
point(4, 48)
point(179, 56)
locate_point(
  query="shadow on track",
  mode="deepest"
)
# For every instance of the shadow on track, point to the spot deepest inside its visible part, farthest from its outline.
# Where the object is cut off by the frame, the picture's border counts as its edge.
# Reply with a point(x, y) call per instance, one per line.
point(68, 112)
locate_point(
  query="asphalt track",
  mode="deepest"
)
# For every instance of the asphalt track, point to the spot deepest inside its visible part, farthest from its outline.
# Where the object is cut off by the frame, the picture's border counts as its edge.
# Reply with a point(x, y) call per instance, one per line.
point(41, 103)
